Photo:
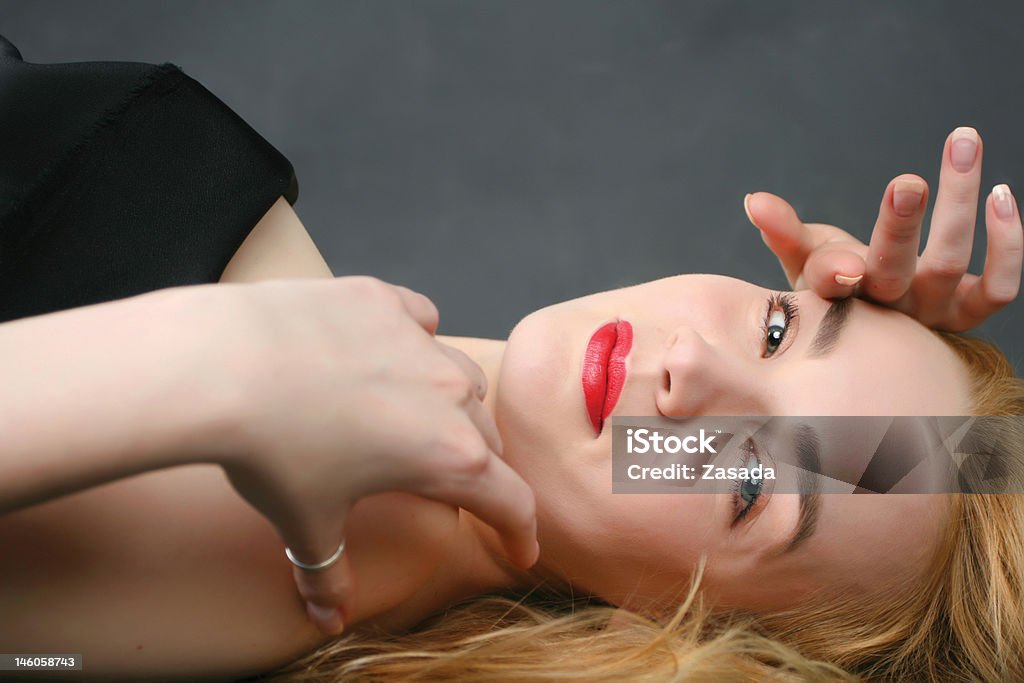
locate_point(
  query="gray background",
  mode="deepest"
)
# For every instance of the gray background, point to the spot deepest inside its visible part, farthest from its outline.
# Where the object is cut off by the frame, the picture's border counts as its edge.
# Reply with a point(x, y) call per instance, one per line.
point(502, 156)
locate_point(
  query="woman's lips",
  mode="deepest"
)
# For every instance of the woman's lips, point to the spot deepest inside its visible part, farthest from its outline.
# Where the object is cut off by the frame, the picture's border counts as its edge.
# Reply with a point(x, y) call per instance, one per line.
point(604, 370)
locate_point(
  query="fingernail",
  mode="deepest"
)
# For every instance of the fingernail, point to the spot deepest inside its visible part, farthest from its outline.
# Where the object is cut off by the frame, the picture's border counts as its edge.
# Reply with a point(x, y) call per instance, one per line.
point(964, 148)
point(848, 280)
point(906, 197)
point(1003, 199)
point(746, 207)
point(327, 617)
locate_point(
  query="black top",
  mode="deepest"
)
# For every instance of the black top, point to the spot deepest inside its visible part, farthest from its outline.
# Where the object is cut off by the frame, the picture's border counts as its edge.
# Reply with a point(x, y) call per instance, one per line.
point(118, 178)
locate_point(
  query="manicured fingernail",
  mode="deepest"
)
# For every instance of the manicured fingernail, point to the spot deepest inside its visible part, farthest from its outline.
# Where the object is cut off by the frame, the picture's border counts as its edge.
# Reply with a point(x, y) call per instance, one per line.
point(964, 148)
point(906, 197)
point(746, 207)
point(328, 618)
point(1003, 199)
point(848, 280)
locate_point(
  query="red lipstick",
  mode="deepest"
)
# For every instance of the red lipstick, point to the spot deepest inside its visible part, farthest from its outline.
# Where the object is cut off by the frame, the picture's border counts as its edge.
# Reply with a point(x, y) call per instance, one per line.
point(604, 370)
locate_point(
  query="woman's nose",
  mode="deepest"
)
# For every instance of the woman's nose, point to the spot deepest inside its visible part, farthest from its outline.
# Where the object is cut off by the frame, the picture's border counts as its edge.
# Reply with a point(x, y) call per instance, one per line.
point(701, 378)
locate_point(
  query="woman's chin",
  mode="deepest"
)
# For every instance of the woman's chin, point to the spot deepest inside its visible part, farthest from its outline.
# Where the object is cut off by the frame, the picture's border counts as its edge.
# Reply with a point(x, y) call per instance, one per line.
point(533, 397)
point(540, 413)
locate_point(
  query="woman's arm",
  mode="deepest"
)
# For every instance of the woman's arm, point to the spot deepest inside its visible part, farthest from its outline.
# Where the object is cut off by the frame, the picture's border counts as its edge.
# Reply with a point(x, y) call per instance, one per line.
point(170, 573)
point(167, 571)
point(278, 247)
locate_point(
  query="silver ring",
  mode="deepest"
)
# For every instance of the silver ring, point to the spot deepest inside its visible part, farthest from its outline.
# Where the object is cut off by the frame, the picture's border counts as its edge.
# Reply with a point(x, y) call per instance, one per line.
point(319, 566)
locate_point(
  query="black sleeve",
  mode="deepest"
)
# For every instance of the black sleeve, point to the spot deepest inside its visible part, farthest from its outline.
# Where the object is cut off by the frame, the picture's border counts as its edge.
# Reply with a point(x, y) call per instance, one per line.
point(120, 178)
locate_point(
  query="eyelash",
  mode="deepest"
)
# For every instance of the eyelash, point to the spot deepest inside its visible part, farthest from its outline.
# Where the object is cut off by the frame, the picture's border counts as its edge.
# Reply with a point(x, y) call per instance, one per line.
point(742, 507)
point(787, 303)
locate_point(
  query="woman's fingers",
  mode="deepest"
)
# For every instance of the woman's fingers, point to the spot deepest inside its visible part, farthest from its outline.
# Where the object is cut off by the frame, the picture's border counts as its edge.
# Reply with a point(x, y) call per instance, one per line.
point(782, 231)
point(892, 253)
point(834, 270)
point(469, 367)
point(420, 307)
point(473, 406)
point(503, 501)
point(484, 422)
point(951, 237)
point(469, 474)
point(1000, 280)
point(327, 593)
point(934, 287)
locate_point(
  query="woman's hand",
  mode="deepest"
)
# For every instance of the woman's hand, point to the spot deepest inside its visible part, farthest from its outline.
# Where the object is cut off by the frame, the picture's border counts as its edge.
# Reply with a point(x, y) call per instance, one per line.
point(934, 287)
point(347, 394)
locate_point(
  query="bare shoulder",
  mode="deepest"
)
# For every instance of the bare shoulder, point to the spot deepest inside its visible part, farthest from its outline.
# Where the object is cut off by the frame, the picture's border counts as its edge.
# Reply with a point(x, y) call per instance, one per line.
point(279, 246)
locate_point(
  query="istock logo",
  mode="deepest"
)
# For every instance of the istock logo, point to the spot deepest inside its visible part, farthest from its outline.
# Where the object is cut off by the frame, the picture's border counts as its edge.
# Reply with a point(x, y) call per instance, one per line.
point(651, 441)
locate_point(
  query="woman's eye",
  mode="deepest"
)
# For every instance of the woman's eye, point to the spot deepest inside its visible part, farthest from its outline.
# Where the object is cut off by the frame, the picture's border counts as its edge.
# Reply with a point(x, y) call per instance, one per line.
point(778, 319)
point(748, 490)
point(776, 331)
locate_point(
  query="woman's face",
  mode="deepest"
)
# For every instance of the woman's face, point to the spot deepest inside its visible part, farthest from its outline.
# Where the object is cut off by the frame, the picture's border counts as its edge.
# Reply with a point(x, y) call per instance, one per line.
point(699, 349)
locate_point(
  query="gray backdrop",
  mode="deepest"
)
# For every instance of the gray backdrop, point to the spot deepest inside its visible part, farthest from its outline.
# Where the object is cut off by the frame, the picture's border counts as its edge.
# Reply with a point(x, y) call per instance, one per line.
point(501, 156)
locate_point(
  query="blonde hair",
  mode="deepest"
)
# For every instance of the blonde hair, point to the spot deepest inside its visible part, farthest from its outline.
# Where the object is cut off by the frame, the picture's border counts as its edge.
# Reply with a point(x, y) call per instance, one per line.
point(961, 622)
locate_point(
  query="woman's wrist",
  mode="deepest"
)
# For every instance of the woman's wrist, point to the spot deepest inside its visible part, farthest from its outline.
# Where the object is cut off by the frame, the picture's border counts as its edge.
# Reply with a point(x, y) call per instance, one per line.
point(204, 375)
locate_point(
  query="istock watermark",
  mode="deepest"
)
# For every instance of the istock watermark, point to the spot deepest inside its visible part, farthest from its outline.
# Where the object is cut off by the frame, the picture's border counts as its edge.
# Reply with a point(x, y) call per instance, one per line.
point(644, 440)
point(815, 455)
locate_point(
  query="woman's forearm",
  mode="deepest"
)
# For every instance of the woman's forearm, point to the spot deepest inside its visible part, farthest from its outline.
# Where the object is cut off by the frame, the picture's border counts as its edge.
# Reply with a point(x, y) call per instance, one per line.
point(99, 393)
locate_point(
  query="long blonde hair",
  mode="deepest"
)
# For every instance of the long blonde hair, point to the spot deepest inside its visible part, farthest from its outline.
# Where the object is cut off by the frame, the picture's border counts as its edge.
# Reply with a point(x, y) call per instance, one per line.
point(963, 622)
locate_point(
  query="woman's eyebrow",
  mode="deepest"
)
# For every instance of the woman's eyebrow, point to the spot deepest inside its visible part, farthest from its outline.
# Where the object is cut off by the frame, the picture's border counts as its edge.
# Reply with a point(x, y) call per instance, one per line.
point(830, 327)
point(808, 460)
